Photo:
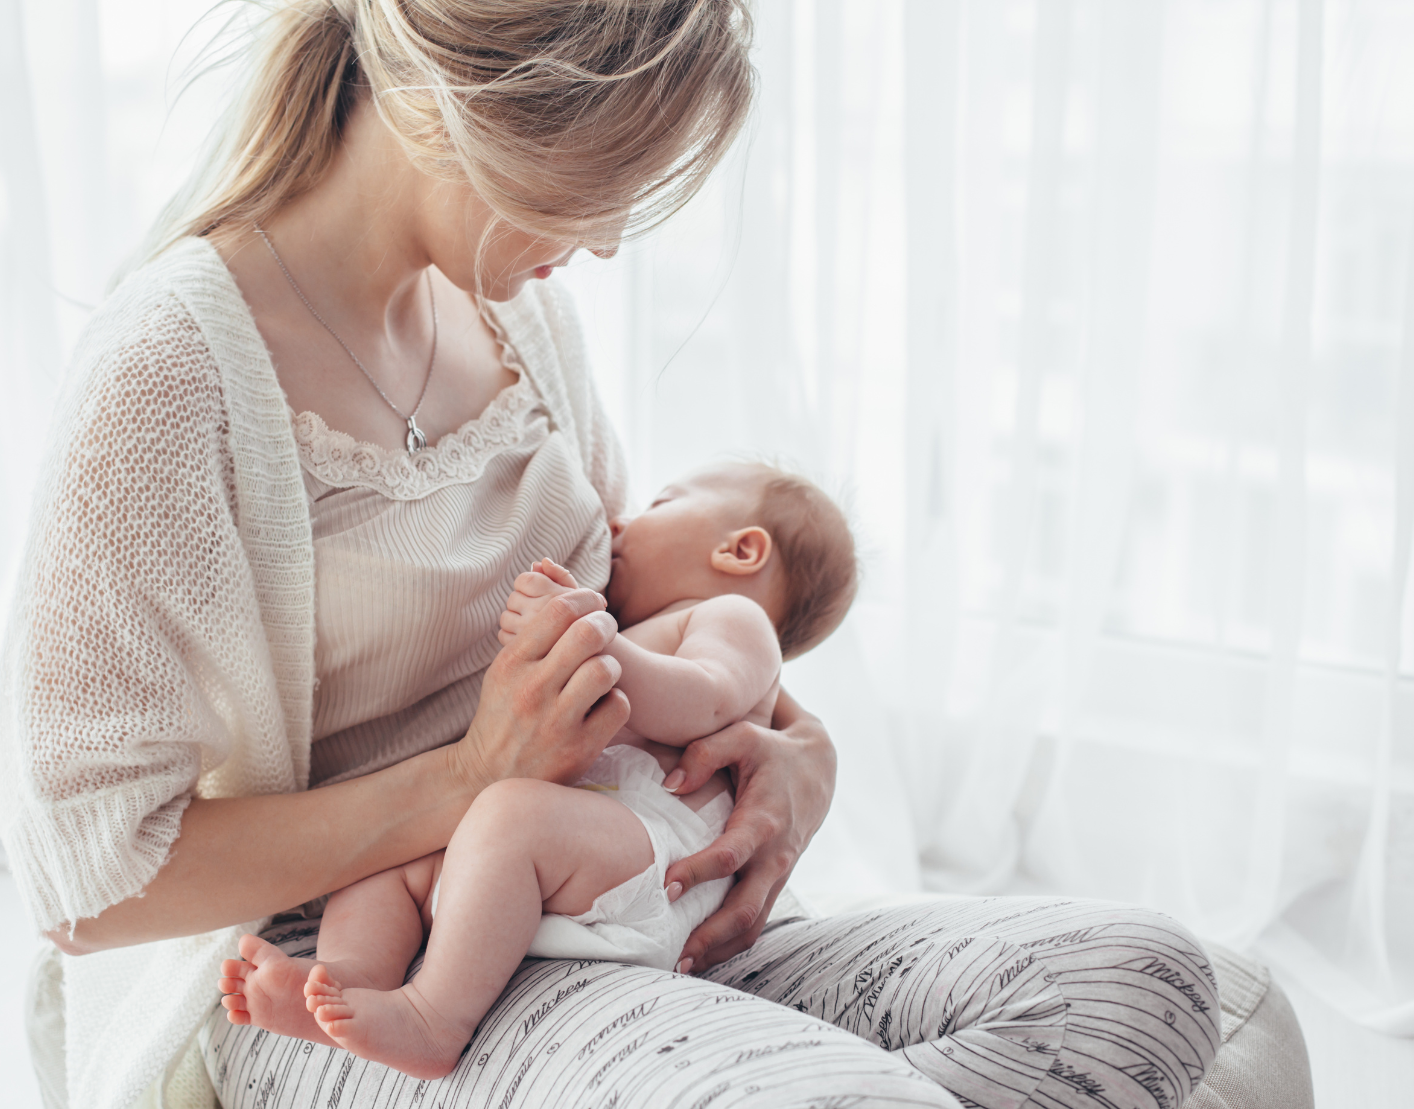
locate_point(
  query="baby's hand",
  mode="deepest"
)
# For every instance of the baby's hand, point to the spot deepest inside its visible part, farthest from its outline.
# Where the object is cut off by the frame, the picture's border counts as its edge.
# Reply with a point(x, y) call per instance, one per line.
point(545, 579)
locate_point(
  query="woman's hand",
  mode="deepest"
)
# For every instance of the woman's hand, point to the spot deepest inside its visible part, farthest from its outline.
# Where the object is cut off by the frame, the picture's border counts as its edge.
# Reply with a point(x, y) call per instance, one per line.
point(548, 703)
point(785, 778)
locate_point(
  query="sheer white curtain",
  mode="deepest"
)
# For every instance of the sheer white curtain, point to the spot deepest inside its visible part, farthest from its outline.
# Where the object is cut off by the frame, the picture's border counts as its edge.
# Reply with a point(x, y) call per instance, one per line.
point(1101, 310)
point(93, 139)
point(1100, 314)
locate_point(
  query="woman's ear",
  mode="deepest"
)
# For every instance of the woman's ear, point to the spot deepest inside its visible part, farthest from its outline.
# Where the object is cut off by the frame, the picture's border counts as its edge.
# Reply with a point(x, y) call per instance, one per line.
point(743, 552)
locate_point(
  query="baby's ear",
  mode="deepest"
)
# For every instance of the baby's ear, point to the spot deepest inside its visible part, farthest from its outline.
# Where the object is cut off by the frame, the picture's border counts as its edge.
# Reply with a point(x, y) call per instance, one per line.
point(744, 552)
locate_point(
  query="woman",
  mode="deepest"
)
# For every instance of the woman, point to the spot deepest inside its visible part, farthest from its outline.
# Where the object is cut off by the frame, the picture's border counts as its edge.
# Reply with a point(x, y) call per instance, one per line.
point(308, 447)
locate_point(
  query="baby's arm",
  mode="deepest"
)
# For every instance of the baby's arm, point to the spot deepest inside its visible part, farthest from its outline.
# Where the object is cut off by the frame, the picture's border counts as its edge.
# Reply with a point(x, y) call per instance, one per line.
point(727, 662)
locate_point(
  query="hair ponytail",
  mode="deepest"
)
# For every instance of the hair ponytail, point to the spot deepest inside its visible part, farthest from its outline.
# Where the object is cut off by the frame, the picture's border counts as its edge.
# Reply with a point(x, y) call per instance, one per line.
point(300, 97)
point(280, 137)
point(566, 116)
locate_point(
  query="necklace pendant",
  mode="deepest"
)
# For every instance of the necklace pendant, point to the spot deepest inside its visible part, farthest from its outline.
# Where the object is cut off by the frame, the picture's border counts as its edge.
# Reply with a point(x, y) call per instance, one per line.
point(417, 439)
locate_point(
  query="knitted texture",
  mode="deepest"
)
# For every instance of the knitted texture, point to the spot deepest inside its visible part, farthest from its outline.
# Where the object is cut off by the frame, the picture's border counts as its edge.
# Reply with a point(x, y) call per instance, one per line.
point(162, 642)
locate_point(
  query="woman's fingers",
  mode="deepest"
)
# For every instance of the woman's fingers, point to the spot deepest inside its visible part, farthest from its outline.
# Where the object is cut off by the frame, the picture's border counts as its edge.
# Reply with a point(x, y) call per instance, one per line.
point(784, 780)
point(545, 631)
point(545, 710)
point(591, 680)
point(704, 757)
point(738, 923)
point(746, 833)
point(583, 641)
point(607, 717)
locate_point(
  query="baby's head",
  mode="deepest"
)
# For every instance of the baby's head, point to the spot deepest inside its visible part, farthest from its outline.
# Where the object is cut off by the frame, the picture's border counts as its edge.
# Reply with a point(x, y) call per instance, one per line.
point(741, 528)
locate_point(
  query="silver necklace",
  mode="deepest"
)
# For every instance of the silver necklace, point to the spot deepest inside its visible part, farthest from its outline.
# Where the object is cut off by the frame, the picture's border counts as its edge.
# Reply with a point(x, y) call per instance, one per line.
point(416, 437)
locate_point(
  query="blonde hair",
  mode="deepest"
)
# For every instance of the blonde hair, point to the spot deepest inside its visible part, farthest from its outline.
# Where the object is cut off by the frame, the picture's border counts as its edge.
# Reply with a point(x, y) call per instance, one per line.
point(567, 117)
point(813, 540)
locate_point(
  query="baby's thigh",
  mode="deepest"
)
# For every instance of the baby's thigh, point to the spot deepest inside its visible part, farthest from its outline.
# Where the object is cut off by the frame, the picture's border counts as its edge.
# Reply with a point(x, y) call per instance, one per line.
point(606, 844)
point(570, 1034)
point(580, 842)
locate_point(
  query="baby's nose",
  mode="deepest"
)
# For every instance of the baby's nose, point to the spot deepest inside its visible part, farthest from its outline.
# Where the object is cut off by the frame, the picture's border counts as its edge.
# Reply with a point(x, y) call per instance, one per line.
point(616, 526)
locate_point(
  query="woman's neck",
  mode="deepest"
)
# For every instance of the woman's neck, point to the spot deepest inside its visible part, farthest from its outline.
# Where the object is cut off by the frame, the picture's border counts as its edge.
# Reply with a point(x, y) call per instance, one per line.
point(358, 246)
point(356, 236)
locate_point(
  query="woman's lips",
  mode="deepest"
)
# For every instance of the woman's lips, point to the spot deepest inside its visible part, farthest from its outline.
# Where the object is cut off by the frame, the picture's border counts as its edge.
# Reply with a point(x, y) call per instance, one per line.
point(543, 272)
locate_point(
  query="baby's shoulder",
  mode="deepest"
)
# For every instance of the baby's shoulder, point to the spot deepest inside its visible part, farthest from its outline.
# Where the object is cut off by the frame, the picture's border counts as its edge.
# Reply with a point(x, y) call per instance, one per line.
point(737, 618)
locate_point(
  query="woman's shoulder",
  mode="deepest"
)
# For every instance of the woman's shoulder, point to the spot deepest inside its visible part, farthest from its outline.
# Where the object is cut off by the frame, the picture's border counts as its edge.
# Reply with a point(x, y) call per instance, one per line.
point(181, 316)
point(168, 356)
point(187, 283)
point(142, 318)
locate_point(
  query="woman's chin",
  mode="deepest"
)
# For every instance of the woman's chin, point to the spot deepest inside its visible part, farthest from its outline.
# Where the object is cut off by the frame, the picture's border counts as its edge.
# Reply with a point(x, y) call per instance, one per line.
point(500, 291)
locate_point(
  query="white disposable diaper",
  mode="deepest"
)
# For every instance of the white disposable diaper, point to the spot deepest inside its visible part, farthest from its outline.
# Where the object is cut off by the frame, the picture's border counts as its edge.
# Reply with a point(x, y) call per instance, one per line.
point(634, 922)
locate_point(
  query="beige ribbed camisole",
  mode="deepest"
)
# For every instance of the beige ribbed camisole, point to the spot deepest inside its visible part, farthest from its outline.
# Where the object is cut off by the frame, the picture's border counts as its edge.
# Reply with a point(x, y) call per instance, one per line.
point(414, 557)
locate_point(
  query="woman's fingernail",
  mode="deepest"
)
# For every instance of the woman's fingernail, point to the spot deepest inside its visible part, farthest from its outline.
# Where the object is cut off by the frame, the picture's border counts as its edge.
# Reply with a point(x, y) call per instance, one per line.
point(674, 890)
point(685, 967)
point(673, 780)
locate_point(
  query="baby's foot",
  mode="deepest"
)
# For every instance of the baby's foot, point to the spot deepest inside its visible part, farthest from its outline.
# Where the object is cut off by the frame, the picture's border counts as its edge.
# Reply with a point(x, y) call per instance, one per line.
point(267, 990)
point(395, 1028)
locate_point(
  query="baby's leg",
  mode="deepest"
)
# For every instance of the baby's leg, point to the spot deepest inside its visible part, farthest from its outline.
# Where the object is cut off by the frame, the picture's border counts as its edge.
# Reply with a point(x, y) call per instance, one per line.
point(372, 929)
point(524, 846)
point(370, 932)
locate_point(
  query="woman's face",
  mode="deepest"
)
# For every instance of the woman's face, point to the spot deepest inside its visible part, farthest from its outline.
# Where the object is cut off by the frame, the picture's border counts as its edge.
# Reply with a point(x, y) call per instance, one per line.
point(455, 232)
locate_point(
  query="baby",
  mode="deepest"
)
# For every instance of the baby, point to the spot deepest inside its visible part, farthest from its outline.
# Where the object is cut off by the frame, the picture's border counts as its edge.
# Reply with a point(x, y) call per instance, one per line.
point(726, 573)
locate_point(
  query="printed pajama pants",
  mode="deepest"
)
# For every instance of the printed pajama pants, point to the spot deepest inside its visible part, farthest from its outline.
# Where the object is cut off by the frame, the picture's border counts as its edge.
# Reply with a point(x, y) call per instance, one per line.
point(992, 1002)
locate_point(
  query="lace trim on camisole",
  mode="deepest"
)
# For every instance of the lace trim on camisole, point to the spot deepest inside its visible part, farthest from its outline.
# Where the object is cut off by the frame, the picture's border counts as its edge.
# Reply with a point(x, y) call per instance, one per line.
point(339, 460)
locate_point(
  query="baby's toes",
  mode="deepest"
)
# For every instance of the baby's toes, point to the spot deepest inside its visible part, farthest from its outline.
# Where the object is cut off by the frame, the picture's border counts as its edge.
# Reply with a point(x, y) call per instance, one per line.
point(235, 968)
point(233, 976)
point(248, 945)
point(320, 985)
point(331, 1009)
point(235, 1009)
point(256, 951)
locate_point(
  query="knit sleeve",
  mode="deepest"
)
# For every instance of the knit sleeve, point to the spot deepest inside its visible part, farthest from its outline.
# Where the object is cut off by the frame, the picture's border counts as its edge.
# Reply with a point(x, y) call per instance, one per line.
point(599, 444)
point(135, 658)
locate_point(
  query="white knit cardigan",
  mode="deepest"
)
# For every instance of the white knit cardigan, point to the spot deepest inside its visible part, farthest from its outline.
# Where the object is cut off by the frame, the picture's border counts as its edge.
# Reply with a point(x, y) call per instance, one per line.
point(162, 642)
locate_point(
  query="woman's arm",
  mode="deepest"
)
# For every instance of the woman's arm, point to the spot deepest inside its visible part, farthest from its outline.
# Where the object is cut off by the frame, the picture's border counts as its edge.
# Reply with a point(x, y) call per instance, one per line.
point(785, 779)
point(547, 709)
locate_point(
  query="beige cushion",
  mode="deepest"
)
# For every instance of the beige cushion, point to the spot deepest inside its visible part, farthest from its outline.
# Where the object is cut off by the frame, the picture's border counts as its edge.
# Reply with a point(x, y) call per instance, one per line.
point(1262, 1063)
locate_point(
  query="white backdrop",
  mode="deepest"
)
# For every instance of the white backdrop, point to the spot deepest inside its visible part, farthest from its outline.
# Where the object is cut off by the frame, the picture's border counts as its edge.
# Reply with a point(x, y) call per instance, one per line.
point(1100, 314)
